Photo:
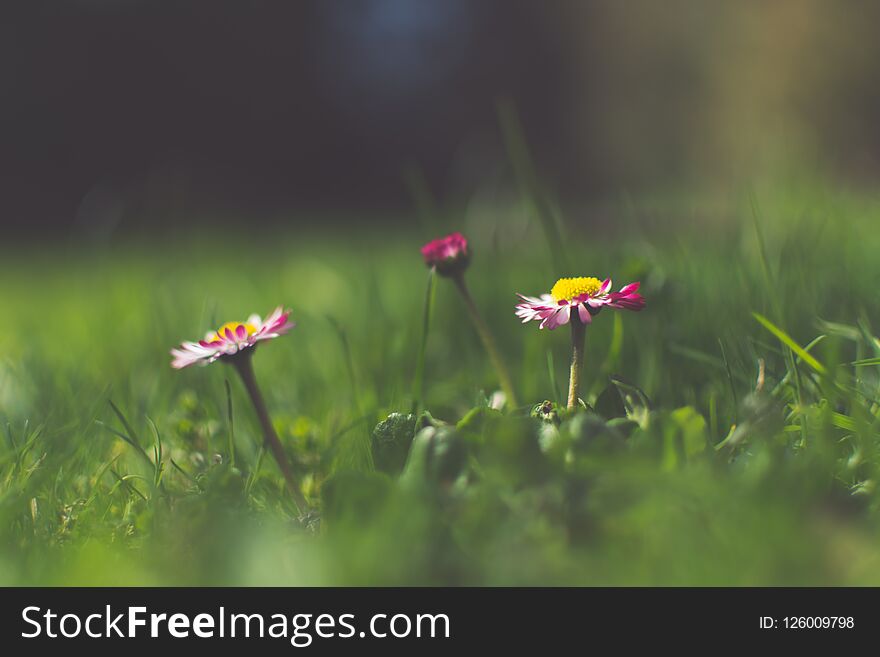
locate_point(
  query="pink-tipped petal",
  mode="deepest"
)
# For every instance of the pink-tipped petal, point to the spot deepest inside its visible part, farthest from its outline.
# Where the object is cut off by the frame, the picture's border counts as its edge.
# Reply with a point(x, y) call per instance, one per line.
point(276, 324)
point(273, 316)
point(231, 339)
point(543, 300)
point(628, 298)
point(557, 318)
point(282, 324)
point(190, 353)
point(635, 302)
point(584, 314)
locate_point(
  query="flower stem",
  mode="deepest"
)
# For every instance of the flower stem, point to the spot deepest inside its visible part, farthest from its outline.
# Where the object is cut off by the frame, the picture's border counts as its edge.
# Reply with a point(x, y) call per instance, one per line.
point(578, 338)
point(245, 368)
point(488, 342)
point(419, 381)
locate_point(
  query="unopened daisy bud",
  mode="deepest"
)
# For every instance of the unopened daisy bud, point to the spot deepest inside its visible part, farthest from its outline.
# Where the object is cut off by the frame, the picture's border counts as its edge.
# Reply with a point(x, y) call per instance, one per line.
point(449, 255)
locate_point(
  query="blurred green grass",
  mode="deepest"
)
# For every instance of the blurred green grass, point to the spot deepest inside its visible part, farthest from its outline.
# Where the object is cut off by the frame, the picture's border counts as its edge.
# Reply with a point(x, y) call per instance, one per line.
point(502, 499)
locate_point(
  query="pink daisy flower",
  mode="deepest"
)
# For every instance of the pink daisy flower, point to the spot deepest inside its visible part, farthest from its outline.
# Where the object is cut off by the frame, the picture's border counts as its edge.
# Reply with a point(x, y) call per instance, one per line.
point(585, 295)
point(232, 338)
point(449, 255)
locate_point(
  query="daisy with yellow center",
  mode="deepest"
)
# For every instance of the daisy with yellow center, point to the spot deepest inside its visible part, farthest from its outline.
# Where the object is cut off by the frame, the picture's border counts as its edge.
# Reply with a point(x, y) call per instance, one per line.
point(235, 343)
point(584, 296)
point(576, 301)
point(231, 338)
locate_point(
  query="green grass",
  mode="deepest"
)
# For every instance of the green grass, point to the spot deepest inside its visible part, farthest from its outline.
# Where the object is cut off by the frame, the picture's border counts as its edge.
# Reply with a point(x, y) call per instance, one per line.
point(688, 472)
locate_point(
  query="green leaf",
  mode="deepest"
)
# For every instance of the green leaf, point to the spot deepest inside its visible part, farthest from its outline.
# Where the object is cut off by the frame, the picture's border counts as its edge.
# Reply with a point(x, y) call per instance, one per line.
point(635, 401)
point(610, 404)
point(589, 434)
point(391, 441)
point(693, 430)
point(684, 436)
point(437, 455)
point(842, 421)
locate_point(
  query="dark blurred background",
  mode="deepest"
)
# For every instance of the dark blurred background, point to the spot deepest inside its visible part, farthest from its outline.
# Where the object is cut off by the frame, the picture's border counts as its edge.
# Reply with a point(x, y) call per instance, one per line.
point(121, 113)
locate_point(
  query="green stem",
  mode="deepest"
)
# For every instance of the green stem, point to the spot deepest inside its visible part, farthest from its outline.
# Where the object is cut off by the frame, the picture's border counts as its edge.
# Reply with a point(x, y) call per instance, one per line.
point(488, 342)
point(419, 382)
point(578, 339)
point(245, 368)
point(231, 420)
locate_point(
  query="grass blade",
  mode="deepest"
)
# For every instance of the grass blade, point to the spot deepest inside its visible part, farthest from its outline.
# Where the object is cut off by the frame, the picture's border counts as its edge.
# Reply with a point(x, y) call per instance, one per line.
point(730, 381)
point(865, 362)
point(787, 340)
point(158, 466)
point(554, 384)
point(527, 181)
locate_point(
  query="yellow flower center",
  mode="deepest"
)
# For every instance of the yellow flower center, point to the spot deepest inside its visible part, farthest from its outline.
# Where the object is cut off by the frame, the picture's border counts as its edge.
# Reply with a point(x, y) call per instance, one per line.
point(569, 288)
point(233, 326)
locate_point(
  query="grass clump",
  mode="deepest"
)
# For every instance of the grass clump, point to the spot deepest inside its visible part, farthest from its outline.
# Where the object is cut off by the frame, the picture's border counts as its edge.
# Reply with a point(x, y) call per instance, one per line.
point(729, 433)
